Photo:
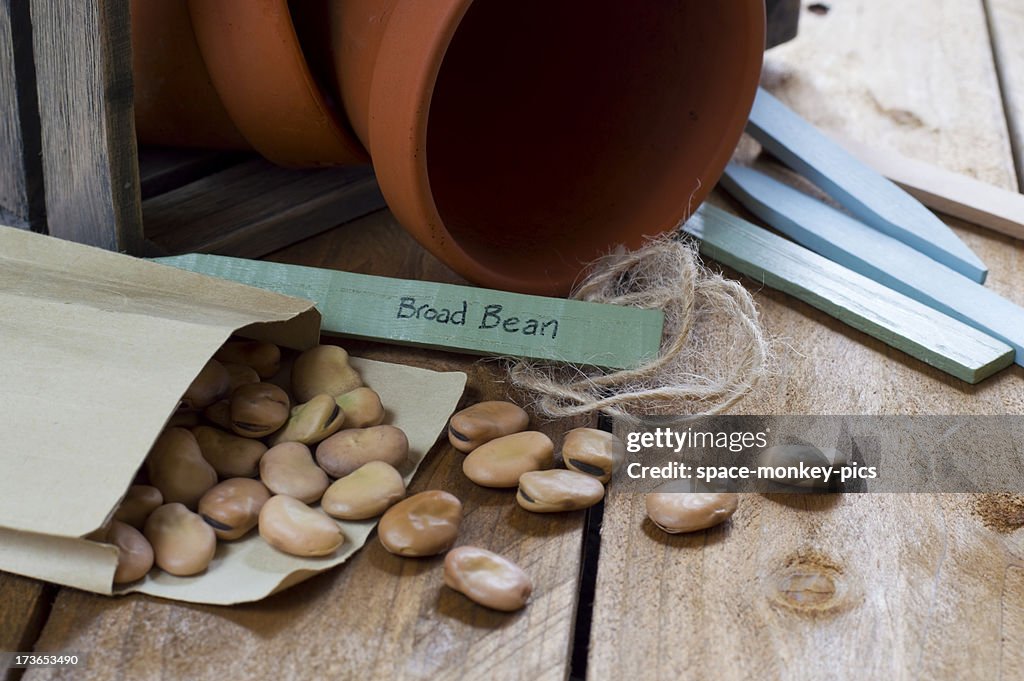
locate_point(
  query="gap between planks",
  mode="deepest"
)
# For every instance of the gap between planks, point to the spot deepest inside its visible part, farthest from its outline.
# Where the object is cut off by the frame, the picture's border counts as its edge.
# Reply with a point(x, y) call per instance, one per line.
point(22, 202)
point(1005, 19)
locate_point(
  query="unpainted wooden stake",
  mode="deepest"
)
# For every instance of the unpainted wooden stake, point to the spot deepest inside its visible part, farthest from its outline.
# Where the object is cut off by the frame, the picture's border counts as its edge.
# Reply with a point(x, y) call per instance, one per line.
point(951, 193)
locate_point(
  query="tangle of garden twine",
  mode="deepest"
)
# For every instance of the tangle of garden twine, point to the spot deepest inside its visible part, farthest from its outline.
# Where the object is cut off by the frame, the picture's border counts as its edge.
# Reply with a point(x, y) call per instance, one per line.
point(713, 350)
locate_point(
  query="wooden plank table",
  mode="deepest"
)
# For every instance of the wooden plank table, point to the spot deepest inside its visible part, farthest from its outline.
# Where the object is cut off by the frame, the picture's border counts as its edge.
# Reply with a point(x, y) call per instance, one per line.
point(841, 587)
point(855, 586)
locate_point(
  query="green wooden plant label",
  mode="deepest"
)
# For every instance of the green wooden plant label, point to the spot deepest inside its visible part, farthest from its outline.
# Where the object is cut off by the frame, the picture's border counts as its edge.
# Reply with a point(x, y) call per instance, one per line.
point(445, 316)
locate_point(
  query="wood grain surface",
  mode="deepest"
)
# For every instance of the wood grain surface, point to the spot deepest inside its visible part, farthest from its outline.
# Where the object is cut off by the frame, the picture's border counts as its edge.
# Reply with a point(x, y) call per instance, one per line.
point(21, 199)
point(13, 194)
point(255, 208)
point(379, 616)
point(162, 169)
point(83, 69)
point(854, 586)
point(914, 76)
point(1006, 22)
point(26, 604)
point(850, 587)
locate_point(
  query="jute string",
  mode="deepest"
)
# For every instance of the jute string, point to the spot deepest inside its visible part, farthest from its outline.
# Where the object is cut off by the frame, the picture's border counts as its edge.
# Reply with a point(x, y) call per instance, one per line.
point(712, 353)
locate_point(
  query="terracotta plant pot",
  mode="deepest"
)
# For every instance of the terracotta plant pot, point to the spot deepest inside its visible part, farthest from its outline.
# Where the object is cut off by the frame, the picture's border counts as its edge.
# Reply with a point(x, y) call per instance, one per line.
point(515, 141)
point(255, 60)
point(518, 141)
point(175, 102)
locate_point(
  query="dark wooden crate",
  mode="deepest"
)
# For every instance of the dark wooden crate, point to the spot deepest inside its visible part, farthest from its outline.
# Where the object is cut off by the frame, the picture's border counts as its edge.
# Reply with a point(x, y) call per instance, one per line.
point(21, 172)
point(70, 165)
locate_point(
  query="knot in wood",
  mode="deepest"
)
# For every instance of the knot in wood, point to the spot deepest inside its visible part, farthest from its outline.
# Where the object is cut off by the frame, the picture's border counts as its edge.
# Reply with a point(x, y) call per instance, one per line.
point(809, 584)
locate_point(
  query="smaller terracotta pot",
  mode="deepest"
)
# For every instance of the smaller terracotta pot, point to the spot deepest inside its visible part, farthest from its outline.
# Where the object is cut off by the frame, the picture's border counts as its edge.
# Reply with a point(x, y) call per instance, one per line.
point(254, 59)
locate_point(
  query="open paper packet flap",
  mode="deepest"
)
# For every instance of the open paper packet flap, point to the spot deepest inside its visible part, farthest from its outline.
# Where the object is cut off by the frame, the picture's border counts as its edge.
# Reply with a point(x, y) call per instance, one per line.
point(98, 348)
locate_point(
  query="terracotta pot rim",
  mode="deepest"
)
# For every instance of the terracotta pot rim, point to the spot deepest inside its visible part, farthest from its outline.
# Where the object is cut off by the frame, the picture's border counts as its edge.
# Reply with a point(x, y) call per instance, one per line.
point(399, 133)
point(400, 108)
point(252, 52)
point(746, 91)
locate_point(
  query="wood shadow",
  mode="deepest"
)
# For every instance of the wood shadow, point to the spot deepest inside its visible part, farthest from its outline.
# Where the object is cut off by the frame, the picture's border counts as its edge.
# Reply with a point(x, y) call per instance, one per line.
point(685, 540)
point(545, 524)
point(454, 605)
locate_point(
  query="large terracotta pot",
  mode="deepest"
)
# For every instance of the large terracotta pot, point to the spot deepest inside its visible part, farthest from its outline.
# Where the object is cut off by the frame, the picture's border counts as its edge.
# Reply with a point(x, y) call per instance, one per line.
point(515, 140)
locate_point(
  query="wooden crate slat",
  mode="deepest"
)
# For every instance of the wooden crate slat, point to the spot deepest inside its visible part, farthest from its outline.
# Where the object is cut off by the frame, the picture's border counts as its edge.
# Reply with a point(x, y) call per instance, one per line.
point(256, 207)
point(83, 57)
point(21, 174)
point(162, 169)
